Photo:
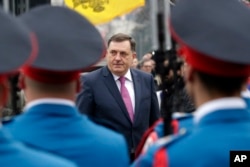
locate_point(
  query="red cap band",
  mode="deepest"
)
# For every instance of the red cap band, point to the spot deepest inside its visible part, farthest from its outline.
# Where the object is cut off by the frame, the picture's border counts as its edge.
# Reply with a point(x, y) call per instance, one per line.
point(52, 77)
point(3, 78)
point(213, 66)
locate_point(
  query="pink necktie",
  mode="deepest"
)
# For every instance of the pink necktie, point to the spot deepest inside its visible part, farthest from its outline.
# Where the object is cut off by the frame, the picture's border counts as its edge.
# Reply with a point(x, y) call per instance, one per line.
point(126, 98)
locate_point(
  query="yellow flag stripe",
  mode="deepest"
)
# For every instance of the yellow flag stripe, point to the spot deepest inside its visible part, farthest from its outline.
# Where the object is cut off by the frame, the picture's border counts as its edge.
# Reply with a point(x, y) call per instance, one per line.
point(102, 11)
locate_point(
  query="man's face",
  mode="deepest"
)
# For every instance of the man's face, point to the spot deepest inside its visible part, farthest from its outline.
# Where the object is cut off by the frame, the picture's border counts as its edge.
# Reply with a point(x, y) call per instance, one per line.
point(135, 63)
point(147, 66)
point(119, 57)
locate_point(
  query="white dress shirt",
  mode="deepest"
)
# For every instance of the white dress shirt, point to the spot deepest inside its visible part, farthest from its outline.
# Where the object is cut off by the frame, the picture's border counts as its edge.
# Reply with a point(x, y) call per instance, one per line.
point(129, 85)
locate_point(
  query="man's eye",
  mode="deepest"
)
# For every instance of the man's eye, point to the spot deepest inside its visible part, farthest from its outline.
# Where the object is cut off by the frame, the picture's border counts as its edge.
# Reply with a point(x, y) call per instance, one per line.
point(113, 52)
point(123, 54)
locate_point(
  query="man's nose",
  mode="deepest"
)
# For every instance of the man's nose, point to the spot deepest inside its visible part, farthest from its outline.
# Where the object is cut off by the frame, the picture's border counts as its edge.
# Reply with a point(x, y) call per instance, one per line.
point(118, 56)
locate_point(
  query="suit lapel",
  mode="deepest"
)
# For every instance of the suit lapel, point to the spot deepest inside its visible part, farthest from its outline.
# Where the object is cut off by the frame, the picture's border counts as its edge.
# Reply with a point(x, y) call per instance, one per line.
point(112, 87)
point(137, 89)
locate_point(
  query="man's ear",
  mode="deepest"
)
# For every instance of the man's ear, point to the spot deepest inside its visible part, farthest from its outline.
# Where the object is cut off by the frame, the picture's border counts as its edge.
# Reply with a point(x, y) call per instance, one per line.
point(134, 55)
point(21, 82)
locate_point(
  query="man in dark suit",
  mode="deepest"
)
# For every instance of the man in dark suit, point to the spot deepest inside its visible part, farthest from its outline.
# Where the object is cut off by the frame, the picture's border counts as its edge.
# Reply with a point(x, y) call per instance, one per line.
point(101, 98)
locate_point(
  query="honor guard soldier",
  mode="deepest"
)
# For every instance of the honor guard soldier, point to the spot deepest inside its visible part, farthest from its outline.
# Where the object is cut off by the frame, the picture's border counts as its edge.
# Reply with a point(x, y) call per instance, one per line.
point(18, 47)
point(68, 43)
point(215, 38)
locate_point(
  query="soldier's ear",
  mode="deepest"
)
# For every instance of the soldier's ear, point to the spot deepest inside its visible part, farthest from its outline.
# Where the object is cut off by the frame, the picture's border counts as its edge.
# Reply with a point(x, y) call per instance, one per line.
point(4, 92)
point(21, 82)
point(188, 73)
point(78, 86)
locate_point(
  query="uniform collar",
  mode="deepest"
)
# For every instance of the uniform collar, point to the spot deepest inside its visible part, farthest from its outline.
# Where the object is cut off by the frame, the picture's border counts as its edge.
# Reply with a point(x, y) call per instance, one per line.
point(212, 106)
point(49, 101)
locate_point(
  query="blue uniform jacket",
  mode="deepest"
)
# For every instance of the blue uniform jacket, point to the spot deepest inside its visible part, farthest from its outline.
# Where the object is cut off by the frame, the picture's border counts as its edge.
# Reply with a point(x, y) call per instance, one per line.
point(61, 129)
point(185, 121)
point(208, 143)
point(156, 131)
point(15, 154)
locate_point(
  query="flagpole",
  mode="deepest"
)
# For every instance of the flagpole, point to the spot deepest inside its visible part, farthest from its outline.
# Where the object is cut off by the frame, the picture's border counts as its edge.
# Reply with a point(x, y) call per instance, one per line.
point(6, 5)
point(167, 33)
point(153, 20)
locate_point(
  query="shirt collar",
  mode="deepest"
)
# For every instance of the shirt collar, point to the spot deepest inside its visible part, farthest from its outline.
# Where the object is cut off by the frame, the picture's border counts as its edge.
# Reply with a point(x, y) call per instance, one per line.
point(223, 103)
point(49, 101)
point(128, 76)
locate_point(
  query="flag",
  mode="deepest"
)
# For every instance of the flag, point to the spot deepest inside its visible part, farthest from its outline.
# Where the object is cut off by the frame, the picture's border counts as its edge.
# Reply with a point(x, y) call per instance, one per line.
point(102, 11)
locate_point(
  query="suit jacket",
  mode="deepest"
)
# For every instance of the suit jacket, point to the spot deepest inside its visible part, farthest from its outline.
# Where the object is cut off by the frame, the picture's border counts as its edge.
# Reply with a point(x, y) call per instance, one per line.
point(15, 154)
point(102, 101)
point(62, 130)
point(210, 141)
